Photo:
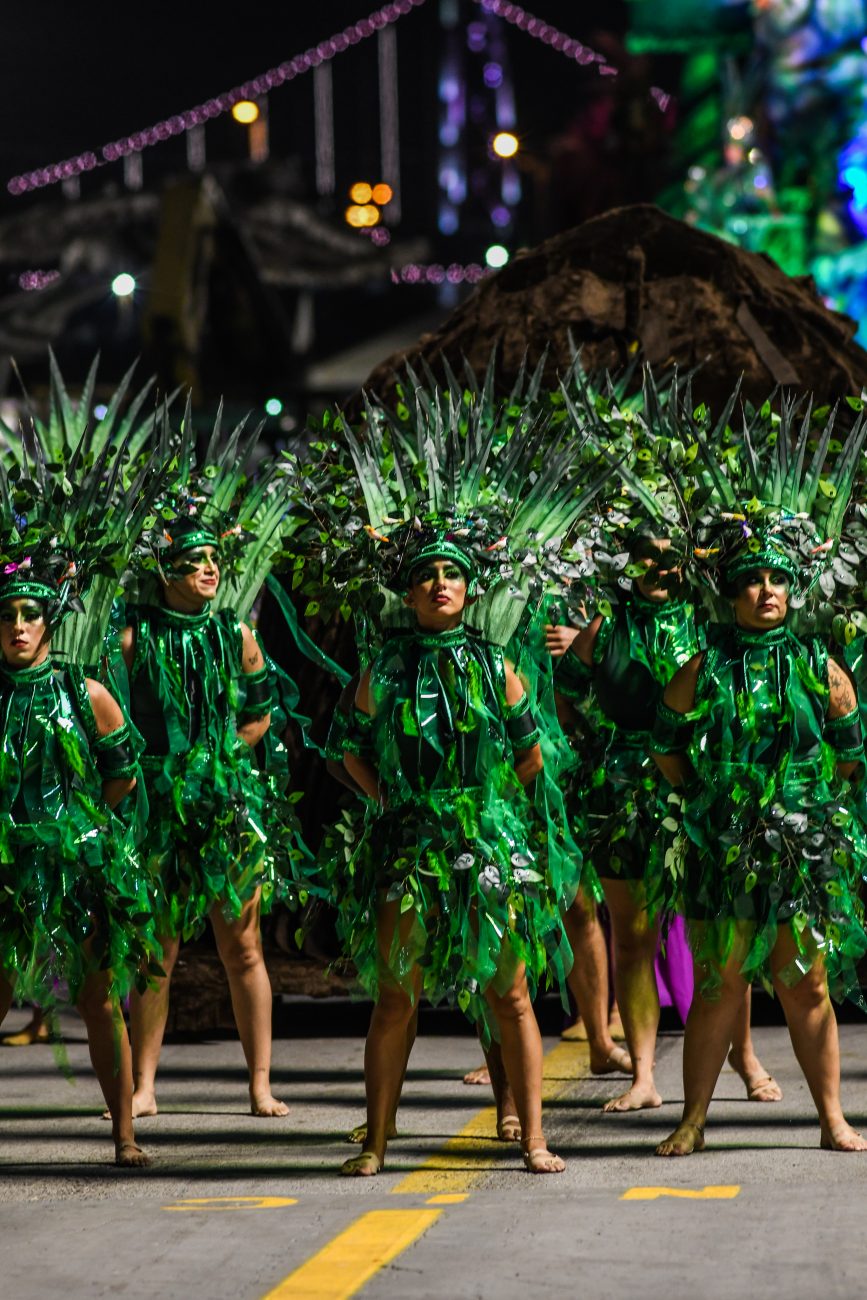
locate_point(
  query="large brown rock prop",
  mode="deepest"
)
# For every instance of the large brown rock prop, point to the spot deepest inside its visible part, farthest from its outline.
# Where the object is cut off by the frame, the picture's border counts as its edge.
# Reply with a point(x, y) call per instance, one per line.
point(636, 276)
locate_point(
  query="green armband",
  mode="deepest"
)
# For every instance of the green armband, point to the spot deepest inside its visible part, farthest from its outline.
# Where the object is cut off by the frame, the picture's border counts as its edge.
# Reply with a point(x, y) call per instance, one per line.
point(114, 756)
point(572, 677)
point(845, 737)
point(257, 694)
point(521, 724)
point(672, 732)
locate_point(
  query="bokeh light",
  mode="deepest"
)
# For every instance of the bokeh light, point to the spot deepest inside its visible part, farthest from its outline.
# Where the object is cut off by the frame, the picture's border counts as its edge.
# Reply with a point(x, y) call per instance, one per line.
point(505, 144)
point(123, 285)
point(245, 112)
point(496, 256)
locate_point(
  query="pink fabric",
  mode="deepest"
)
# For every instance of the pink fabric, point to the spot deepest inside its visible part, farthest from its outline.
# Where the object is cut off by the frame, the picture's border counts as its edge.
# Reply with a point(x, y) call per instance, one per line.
point(674, 970)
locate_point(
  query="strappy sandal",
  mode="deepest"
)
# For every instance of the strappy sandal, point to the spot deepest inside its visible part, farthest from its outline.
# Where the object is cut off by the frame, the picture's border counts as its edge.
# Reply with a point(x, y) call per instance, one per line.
point(534, 1155)
point(509, 1128)
point(760, 1084)
point(367, 1165)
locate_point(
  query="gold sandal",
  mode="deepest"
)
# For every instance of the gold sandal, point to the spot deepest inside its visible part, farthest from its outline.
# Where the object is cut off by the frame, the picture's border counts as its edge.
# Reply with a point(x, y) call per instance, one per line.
point(557, 1165)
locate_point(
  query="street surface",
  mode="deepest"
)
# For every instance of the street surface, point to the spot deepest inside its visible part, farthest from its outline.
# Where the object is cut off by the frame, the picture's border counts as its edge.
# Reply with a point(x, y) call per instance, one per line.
point(247, 1208)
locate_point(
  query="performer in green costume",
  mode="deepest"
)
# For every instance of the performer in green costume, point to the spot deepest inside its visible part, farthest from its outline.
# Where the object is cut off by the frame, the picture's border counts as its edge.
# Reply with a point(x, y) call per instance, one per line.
point(73, 904)
point(759, 733)
point(200, 695)
point(622, 661)
point(222, 842)
point(444, 743)
point(453, 889)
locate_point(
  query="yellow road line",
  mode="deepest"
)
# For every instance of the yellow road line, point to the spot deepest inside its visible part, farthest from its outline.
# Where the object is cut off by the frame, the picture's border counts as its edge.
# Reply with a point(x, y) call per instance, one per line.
point(447, 1198)
point(223, 1203)
point(686, 1193)
point(342, 1267)
point(466, 1159)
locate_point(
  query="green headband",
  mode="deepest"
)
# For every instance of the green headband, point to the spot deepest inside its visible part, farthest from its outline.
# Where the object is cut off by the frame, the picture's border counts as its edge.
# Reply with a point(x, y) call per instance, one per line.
point(188, 541)
point(441, 550)
point(766, 556)
point(16, 588)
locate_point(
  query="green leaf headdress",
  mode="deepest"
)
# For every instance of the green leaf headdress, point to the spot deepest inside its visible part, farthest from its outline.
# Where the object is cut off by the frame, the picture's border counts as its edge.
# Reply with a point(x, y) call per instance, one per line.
point(225, 497)
point(69, 514)
point(772, 494)
point(497, 488)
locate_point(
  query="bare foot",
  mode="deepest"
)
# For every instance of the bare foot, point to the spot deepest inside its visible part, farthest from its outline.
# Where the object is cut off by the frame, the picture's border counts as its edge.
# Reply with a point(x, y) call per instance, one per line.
point(359, 1133)
point(618, 1061)
point(129, 1155)
point(760, 1085)
point(264, 1106)
point(367, 1165)
point(539, 1160)
point(481, 1076)
point(575, 1033)
point(144, 1103)
point(842, 1137)
point(685, 1139)
point(641, 1096)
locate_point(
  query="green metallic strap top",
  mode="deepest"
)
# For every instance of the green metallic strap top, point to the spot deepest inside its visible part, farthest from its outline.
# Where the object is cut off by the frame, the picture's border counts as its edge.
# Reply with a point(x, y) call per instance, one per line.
point(185, 678)
point(761, 702)
point(440, 719)
point(636, 653)
point(49, 743)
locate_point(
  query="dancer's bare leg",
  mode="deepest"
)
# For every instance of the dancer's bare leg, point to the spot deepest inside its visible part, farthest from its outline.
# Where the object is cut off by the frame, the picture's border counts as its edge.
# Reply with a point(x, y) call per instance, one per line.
point(508, 1123)
point(110, 1055)
point(148, 1013)
point(635, 940)
point(522, 1057)
point(359, 1133)
point(385, 1048)
point(813, 1031)
point(709, 1029)
point(588, 980)
point(760, 1085)
point(239, 944)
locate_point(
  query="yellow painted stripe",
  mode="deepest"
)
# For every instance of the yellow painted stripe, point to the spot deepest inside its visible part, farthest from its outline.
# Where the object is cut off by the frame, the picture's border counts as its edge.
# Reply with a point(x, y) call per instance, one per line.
point(686, 1193)
point(221, 1203)
point(343, 1266)
point(466, 1159)
point(448, 1198)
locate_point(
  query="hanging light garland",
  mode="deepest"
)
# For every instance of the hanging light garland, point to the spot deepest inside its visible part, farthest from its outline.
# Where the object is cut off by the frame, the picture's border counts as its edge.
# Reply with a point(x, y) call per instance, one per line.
point(549, 35)
point(435, 273)
point(192, 119)
point(195, 117)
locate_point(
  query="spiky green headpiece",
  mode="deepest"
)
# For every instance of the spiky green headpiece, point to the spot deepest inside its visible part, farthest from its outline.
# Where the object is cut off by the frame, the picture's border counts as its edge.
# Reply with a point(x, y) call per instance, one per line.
point(773, 494)
point(503, 485)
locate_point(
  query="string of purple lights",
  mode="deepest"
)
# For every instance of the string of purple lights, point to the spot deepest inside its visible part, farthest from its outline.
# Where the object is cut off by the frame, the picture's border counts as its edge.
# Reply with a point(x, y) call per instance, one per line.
point(435, 273)
point(55, 173)
point(573, 49)
point(197, 116)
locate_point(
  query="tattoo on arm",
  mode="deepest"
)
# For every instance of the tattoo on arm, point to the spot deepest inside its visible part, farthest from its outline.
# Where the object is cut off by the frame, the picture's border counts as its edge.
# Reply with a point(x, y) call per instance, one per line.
point(843, 698)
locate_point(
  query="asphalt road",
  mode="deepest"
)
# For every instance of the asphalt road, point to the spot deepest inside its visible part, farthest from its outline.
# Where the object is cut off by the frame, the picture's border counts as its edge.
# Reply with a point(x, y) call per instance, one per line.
point(243, 1208)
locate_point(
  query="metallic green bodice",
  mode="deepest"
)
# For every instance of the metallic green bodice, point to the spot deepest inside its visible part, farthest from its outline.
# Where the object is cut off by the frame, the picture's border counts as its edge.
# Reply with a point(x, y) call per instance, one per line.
point(636, 654)
point(46, 729)
point(439, 718)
